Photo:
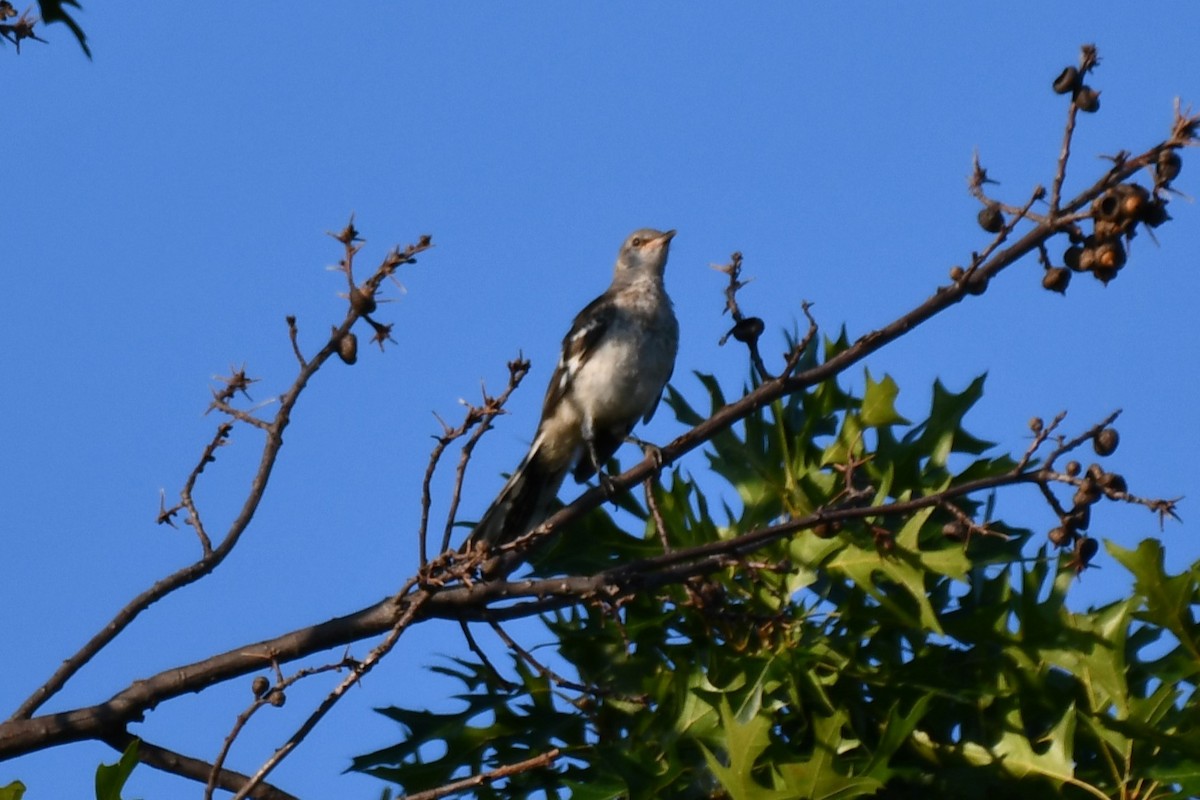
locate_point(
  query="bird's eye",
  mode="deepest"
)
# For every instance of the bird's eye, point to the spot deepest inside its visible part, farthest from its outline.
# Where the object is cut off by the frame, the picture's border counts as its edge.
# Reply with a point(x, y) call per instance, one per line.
point(637, 241)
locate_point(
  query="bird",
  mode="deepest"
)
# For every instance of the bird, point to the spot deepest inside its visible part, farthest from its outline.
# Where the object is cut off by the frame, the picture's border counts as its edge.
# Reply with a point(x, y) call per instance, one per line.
point(616, 359)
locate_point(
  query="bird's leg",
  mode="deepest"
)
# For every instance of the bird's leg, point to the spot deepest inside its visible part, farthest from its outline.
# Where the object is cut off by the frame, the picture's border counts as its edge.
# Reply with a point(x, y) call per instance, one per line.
point(606, 483)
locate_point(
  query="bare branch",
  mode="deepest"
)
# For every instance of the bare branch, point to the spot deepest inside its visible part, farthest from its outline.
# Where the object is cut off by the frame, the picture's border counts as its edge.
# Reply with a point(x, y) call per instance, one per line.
point(213, 556)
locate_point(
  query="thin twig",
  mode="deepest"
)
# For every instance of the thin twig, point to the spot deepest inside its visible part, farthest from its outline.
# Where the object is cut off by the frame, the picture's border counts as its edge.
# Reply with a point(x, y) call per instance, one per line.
point(268, 697)
point(412, 604)
point(214, 556)
point(505, 683)
point(660, 526)
point(541, 668)
point(537, 762)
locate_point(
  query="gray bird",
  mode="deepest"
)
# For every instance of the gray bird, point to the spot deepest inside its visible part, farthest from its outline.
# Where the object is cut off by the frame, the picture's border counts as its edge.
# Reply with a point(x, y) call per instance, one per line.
point(616, 359)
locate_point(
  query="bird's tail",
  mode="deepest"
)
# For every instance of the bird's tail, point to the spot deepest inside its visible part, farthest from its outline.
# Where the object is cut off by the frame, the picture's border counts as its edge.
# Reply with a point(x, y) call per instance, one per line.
point(522, 503)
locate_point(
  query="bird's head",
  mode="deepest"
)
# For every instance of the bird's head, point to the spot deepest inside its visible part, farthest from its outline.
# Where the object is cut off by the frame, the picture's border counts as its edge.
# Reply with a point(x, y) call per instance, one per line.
point(644, 252)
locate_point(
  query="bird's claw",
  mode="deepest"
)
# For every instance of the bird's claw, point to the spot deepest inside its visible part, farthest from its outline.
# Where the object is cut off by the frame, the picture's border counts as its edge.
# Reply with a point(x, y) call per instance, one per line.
point(650, 449)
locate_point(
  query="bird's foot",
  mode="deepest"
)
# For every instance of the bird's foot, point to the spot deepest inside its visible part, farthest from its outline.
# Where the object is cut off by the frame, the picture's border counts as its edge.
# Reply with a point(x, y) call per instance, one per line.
point(611, 490)
point(649, 449)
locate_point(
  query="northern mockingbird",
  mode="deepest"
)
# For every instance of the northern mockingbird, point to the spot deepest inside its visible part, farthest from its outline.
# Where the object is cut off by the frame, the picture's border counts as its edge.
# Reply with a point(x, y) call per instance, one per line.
point(615, 361)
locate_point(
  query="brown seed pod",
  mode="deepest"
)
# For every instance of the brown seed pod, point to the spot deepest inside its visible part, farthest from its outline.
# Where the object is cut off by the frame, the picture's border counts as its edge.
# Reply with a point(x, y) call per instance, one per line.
point(1073, 468)
point(362, 300)
point(1113, 483)
point(1155, 213)
point(1167, 168)
point(277, 698)
point(1110, 255)
point(1056, 279)
point(955, 531)
point(1079, 518)
point(824, 530)
point(347, 347)
point(1071, 257)
point(977, 284)
point(1060, 537)
point(885, 540)
point(1095, 471)
point(1085, 550)
point(1106, 230)
point(956, 273)
point(748, 329)
point(1105, 442)
point(1036, 424)
point(1103, 274)
point(1087, 493)
point(1087, 99)
point(259, 685)
point(1107, 206)
point(1087, 259)
point(1133, 200)
point(991, 219)
point(1067, 81)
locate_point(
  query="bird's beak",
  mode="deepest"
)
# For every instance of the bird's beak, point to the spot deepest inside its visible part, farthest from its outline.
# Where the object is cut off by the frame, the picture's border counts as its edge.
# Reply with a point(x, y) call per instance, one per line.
point(666, 238)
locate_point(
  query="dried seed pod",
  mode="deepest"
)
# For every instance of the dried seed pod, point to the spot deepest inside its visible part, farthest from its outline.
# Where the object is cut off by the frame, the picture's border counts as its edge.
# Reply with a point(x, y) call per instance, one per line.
point(1105, 442)
point(1106, 230)
point(1071, 258)
point(824, 530)
point(1110, 255)
point(1134, 199)
point(1060, 537)
point(1079, 518)
point(885, 540)
point(956, 273)
point(1095, 471)
point(1155, 213)
point(1167, 168)
point(1107, 206)
point(748, 329)
point(991, 219)
point(259, 685)
point(1085, 550)
point(1073, 468)
point(276, 698)
point(1087, 259)
point(1067, 81)
point(1087, 99)
point(1087, 493)
point(1113, 483)
point(1036, 424)
point(347, 347)
point(977, 284)
point(955, 531)
point(362, 300)
point(1056, 279)
point(1103, 274)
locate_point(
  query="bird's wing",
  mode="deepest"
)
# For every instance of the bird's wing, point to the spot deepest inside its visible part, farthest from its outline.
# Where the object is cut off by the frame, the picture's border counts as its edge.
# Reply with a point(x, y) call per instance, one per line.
point(586, 332)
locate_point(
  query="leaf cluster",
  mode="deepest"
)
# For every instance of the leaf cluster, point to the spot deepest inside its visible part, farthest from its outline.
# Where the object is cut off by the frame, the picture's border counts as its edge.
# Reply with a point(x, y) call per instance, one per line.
point(879, 656)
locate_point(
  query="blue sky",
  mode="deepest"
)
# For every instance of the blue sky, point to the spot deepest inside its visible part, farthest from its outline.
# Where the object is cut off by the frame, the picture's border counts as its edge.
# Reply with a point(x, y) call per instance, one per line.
point(167, 204)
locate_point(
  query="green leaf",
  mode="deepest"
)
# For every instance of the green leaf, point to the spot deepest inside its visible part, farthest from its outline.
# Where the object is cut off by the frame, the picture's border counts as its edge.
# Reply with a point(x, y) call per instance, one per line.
point(906, 566)
point(817, 778)
point(879, 403)
point(1168, 597)
point(1018, 756)
point(14, 791)
point(744, 743)
point(111, 778)
point(942, 433)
